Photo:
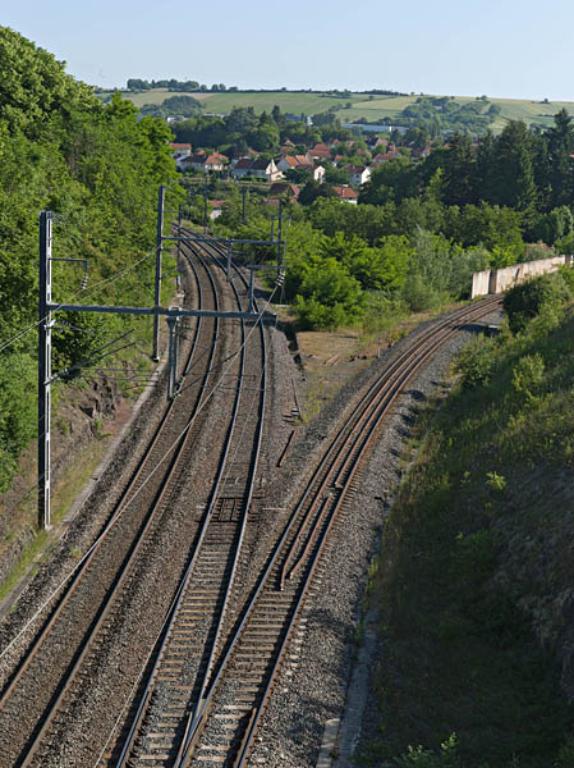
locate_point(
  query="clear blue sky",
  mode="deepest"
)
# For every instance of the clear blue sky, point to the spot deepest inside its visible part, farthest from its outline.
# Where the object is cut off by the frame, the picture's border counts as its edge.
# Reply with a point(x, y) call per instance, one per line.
point(514, 48)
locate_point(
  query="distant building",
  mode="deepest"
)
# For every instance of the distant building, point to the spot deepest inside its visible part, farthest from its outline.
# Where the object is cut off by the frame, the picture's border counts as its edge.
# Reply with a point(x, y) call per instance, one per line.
point(288, 148)
point(419, 153)
point(212, 163)
point(383, 157)
point(264, 170)
point(347, 194)
point(319, 174)
point(374, 128)
point(320, 152)
point(284, 189)
point(358, 175)
point(295, 162)
point(292, 118)
point(180, 152)
point(216, 207)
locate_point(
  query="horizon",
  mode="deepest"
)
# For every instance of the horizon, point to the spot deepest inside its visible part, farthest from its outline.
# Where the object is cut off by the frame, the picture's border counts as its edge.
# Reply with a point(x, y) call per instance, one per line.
point(508, 51)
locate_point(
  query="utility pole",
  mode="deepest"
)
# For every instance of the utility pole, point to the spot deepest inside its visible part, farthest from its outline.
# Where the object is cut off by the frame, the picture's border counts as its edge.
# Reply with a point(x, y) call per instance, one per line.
point(158, 250)
point(44, 370)
point(280, 233)
point(243, 208)
point(178, 258)
point(173, 323)
point(205, 189)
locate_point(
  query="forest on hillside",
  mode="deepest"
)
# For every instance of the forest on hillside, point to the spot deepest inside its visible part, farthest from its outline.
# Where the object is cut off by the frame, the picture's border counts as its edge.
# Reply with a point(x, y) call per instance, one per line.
point(98, 168)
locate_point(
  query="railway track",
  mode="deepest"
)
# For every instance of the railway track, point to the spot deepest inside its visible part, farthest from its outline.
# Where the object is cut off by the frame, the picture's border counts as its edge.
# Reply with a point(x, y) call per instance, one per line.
point(220, 653)
point(205, 605)
point(224, 728)
point(52, 667)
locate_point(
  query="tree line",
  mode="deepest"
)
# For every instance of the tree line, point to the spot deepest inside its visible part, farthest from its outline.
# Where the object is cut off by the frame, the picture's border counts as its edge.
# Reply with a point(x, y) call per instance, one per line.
point(98, 168)
point(529, 171)
point(137, 84)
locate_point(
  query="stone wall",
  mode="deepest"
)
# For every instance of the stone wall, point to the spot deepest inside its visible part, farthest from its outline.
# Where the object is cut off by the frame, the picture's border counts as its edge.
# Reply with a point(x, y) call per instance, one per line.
point(498, 280)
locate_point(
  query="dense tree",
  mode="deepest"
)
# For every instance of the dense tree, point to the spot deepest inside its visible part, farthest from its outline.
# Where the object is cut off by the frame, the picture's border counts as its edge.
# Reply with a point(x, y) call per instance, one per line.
point(560, 163)
point(459, 167)
point(513, 169)
point(96, 166)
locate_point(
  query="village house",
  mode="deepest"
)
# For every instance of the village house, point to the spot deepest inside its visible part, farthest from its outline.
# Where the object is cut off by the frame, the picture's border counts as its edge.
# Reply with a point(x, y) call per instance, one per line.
point(180, 152)
point(381, 143)
point(420, 153)
point(358, 175)
point(216, 207)
point(295, 162)
point(264, 170)
point(288, 148)
point(320, 152)
point(213, 163)
point(383, 157)
point(319, 174)
point(284, 189)
point(301, 163)
point(347, 194)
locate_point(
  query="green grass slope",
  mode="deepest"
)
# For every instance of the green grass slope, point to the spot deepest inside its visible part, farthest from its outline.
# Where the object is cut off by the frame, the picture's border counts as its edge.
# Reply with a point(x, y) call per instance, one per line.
point(377, 108)
point(476, 579)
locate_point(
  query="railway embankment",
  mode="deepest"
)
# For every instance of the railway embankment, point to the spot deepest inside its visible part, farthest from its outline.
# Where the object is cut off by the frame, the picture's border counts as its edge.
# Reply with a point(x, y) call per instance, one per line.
point(475, 586)
point(96, 428)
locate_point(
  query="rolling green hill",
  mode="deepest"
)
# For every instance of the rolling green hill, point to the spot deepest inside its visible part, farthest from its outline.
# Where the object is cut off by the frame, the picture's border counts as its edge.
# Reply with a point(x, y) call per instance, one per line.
point(362, 106)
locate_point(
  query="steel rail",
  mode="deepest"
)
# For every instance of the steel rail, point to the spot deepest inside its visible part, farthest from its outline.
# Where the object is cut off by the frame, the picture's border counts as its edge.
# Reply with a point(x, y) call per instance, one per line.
point(136, 730)
point(118, 509)
point(248, 501)
point(138, 720)
point(31, 747)
point(268, 573)
point(394, 378)
point(339, 442)
point(395, 390)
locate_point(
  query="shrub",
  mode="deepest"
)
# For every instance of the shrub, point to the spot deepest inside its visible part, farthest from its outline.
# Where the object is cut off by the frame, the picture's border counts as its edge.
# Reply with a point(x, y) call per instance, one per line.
point(329, 296)
point(526, 301)
point(17, 411)
point(418, 294)
point(528, 376)
point(475, 362)
point(418, 757)
point(495, 481)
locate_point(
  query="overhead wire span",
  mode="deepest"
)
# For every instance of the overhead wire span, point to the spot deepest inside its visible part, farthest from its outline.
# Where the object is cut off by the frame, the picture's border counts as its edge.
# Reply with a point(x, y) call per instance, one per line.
point(101, 283)
point(111, 523)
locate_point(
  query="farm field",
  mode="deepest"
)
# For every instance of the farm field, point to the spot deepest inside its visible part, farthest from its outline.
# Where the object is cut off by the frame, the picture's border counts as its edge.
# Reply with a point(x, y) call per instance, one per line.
point(362, 106)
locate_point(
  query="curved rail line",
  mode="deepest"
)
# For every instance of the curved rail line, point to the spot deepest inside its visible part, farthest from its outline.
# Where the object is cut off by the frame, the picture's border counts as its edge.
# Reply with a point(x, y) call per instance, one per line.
point(202, 610)
point(102, 576)
point(239, 693)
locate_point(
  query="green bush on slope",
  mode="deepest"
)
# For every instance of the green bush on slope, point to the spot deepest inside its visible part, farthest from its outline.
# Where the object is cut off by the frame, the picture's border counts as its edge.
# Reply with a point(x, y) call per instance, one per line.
point(476, 560)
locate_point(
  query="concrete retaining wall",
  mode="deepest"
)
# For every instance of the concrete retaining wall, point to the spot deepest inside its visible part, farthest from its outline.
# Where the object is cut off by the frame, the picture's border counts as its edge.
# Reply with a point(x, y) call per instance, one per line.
point(499, 280)
point(481, 283)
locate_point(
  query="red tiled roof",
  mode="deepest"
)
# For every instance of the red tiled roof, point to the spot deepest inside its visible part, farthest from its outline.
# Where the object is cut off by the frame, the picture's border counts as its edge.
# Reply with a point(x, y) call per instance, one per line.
point(180, 146)
point(216, 158)
point(320, 150)
point(346, 193)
